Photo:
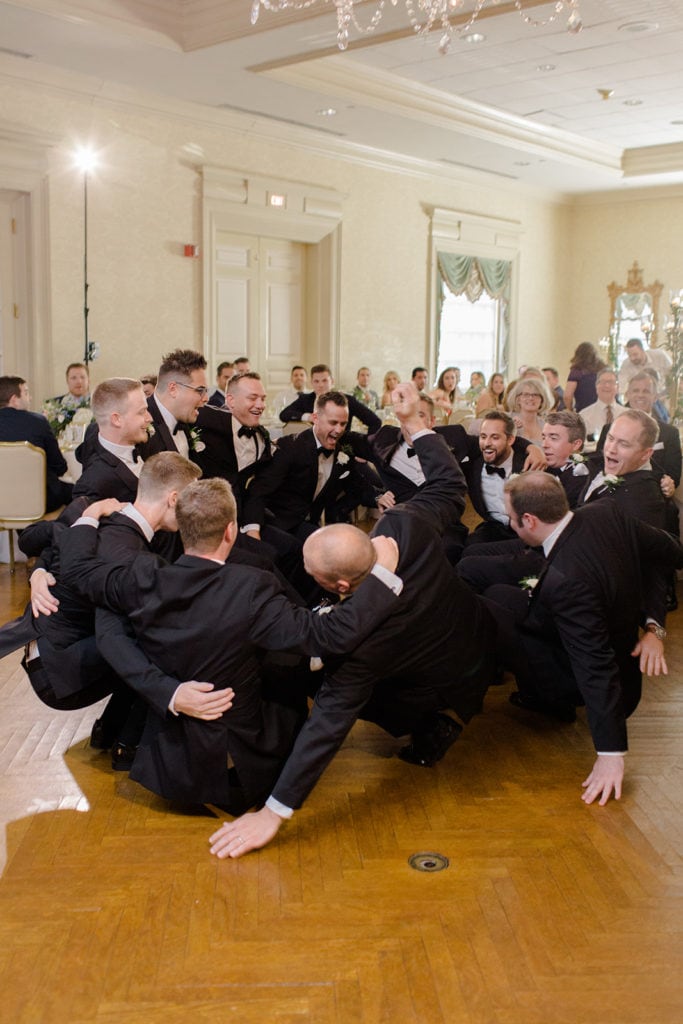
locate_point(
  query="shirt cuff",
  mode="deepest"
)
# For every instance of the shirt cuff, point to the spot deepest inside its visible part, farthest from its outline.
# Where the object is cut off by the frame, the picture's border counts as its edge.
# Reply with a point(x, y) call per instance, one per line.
point(171, 703)
point(611, 753)
point(87, 521)
point(388, 578)
point(250, 526)
point(282, 810)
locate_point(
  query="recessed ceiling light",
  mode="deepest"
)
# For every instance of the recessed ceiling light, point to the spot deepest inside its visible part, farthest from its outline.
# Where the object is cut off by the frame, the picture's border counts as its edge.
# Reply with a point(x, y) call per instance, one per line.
point(326, 112)
point(639, 26)
point(632, 103)
point(474, 37)
point(546, 67)
point(676, 122)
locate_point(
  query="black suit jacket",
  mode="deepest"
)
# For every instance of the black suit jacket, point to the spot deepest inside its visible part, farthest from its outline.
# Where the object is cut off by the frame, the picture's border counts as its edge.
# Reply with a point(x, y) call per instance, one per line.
point(434, 651)
point(21, 425)
point(604, 572)
point(218, 456)
point(177, 611)
point(573, 482)
point(285, 487)
point(666, 458)
point(638, 494)
point(306, 403)
point(472, 468)
point(106, 476)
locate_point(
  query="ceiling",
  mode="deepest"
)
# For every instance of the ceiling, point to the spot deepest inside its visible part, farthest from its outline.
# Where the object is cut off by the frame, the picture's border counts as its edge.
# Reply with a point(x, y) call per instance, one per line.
point(522, 105)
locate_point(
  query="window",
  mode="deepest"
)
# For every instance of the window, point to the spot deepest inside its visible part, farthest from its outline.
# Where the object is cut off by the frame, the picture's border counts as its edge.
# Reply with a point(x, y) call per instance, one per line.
point(471, 335)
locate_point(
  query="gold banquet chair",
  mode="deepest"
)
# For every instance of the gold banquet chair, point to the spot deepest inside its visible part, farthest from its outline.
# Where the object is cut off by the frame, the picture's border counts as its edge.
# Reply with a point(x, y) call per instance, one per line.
point(22, 496)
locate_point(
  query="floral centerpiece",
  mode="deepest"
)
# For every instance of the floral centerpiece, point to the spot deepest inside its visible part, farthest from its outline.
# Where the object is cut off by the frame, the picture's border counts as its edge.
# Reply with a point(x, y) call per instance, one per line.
point(60, 412)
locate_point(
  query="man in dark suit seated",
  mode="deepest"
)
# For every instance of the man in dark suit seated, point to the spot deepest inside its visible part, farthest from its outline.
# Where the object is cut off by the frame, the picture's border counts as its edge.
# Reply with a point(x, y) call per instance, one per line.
point(431, 658)
point(623, 471)
point(18, 424)
point(573, 637)
point(311, 474)
point(563, 437)
point(178, 613)
point(302, 408)
point(62, 660)
point(496, 459)
point(114, 463)
point(224, 372)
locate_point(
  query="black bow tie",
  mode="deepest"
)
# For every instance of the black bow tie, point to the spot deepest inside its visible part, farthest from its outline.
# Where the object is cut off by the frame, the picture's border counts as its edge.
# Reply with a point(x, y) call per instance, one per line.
point(247, 432)
point(136, 455)
point(498, 470)
point(325, 452)
point(410, 452)
point(177, 428)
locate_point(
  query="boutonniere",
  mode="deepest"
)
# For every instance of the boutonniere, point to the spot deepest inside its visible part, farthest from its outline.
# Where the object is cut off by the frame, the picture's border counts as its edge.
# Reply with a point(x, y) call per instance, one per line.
point(611, 482)
point(344, 454)
point(529, 583)
point(578, 464)
point(195, 440)
point(150, 430)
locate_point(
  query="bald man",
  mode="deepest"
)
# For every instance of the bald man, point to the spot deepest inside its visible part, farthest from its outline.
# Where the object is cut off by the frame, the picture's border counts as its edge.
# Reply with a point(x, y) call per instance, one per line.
point(429, 660)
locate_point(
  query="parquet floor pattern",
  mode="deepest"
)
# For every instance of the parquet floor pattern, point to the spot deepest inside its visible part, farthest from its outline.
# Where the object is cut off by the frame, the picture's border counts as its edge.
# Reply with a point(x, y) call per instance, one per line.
point(112, 909)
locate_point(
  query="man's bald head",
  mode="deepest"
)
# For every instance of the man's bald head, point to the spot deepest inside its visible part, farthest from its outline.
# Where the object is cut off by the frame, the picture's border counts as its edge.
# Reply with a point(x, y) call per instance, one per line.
point(339, 557)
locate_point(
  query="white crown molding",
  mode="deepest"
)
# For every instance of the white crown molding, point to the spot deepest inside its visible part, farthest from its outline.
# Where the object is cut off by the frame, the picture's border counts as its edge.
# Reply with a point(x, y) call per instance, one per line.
point(118, 97)
point(384, 91)
point(157, 22)
point(646, 193)
point(665, 159)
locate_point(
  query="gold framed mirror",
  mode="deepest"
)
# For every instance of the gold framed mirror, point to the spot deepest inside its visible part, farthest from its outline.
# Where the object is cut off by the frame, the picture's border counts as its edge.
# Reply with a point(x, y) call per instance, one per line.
point(634, 308)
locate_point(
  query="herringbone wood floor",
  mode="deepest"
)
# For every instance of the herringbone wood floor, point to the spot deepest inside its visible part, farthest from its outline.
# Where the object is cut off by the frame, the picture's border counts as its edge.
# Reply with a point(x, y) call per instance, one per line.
point(112, 909)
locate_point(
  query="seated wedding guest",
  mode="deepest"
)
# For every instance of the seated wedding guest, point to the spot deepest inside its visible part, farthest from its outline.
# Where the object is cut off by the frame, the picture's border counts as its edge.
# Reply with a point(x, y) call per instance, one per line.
point(17, 423)
point(576, 640)
point(639, 358)
point(149, 382)
point(61, 409)
point(391, 381)
point(321, 381)
point(492, 395)
point(553, 381)
point(430, 660)
point(477, 385)
point(242, 365)
point(224, 372)
point(622, 472)
point(298, 384)
point(419, 377)
point(499, 455)
point(363, 391)
point(579, 391)
point(562, 439)
point(311, 474)
point(446, 391)
point(659, 409)
point(177, 612)
point(601, 412)
point(528, 402)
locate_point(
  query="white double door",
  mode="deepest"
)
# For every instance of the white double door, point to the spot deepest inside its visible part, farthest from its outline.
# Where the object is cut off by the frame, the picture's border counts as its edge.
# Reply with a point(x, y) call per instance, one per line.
point(260, 304)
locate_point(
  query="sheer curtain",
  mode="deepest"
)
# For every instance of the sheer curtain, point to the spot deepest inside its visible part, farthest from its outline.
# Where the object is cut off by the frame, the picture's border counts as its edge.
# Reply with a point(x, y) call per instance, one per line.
point(472, 276)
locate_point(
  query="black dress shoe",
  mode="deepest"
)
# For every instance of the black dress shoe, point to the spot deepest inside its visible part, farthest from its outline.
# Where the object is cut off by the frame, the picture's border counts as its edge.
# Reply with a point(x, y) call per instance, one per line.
point(100, 739)
point(122, 757)
point(430, 744)
point(561, 710)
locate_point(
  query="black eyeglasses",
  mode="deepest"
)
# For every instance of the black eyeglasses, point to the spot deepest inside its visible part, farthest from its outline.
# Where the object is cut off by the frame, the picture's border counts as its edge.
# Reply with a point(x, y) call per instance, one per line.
point(201, 390)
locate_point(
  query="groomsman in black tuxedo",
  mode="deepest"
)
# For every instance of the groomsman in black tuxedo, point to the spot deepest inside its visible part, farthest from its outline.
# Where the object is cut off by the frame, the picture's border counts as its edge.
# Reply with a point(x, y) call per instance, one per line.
point(487, 470)
point(563, 437)
point(180, 393)
point(322, 383)
point(224, 372)
point(431, 658)
point(208, 621)
point(623, 472)
point(114, 462)
point(577, 638)
point(311, 474)
point(17, 423)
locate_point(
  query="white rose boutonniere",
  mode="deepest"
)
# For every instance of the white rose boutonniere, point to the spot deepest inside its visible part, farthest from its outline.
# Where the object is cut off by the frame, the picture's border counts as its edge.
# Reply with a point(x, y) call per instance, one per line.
point(150, 430)
point(611, 482)
point(529, 583)
point(342, 458)
point(578, 464)
point(195, 439)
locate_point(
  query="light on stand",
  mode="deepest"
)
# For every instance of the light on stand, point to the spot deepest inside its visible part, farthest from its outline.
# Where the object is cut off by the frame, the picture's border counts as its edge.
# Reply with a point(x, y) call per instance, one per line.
point(85, 159)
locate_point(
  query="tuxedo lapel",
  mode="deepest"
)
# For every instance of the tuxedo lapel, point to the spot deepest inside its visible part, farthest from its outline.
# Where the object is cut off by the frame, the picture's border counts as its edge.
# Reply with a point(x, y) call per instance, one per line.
point(160, 427)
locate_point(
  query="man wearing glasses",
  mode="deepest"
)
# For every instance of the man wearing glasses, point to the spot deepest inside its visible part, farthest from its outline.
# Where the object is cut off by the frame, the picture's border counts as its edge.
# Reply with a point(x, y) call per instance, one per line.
point(174, 407)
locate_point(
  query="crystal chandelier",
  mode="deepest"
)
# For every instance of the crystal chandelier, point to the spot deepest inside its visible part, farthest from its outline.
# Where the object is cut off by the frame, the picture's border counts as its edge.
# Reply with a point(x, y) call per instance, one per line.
point(424, 16)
